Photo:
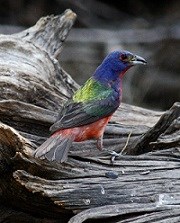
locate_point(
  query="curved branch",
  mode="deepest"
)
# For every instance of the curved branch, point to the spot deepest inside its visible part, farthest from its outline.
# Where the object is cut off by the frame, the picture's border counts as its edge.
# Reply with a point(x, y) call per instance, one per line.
point(110, 211)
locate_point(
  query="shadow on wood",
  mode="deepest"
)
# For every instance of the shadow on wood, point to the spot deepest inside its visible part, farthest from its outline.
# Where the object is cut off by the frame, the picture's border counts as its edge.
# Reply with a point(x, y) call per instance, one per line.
point(33, 88)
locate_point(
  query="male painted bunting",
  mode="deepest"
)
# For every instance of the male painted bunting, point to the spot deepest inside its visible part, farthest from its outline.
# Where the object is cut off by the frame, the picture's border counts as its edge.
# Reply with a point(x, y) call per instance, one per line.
point(86, 115)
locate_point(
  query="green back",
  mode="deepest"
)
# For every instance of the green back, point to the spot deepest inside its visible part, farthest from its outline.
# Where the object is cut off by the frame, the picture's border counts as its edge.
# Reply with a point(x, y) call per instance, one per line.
point(91, 90)
point(92, 102)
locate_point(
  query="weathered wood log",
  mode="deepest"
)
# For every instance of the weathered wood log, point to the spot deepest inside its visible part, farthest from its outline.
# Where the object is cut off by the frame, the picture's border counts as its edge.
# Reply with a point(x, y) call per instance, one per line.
point(33, 87)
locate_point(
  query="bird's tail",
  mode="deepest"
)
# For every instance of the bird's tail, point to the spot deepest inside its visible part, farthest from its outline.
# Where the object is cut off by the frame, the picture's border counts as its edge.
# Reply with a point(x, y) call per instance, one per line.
point(55, 148)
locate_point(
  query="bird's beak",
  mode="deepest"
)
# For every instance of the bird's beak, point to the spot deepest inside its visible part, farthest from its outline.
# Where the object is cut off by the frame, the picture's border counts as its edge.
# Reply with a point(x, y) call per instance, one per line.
point(138, 60)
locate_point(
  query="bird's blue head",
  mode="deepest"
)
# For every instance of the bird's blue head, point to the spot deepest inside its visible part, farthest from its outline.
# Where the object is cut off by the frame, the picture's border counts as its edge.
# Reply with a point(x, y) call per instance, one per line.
point(115, 65)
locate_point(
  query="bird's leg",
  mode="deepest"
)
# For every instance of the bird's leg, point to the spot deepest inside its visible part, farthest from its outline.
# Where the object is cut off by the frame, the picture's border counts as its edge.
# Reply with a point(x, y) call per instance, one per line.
point(99, 143)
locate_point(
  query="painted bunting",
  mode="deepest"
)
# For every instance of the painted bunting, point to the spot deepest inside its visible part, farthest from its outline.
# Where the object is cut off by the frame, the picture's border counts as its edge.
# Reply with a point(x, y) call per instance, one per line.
point(91, 107)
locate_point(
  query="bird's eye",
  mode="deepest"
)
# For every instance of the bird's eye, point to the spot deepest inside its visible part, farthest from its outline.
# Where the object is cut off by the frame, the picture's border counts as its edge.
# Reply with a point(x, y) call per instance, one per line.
point(123, 57)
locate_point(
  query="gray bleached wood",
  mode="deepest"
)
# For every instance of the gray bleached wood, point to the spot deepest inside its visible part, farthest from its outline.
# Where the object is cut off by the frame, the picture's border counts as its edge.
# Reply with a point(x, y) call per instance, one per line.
point(33, 88)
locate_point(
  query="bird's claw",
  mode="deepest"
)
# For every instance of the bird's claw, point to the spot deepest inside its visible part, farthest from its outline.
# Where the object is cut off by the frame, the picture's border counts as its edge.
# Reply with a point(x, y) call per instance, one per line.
point(113, 155)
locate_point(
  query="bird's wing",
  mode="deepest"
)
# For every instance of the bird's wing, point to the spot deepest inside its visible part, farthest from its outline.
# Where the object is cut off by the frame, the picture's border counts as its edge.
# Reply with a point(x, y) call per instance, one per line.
point(75, 114)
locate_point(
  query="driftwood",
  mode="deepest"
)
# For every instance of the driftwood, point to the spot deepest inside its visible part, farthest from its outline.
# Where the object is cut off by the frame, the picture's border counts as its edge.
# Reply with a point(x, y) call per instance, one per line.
point(143, 184)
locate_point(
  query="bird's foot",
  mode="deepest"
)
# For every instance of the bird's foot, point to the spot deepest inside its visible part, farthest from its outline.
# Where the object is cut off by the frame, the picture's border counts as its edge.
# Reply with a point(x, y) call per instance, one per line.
point(114, 154)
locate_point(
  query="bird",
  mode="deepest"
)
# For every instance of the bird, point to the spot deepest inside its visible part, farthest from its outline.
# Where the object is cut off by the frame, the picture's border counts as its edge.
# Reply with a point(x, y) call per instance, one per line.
point(90, 108)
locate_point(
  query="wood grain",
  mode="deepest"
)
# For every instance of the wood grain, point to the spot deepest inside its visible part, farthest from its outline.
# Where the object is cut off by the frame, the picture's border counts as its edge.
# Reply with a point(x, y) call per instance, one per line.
point(143, 184)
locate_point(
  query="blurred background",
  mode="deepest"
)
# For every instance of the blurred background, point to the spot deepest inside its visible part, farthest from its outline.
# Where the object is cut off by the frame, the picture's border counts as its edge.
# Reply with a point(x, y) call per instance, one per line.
point(150, 29)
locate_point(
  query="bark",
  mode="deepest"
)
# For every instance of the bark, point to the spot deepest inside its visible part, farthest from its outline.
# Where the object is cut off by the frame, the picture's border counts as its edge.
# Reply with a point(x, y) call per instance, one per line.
point(142, 185)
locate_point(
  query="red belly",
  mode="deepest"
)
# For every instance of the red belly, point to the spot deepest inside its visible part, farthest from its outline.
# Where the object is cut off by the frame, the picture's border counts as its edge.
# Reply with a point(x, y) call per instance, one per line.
point(91, 131)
